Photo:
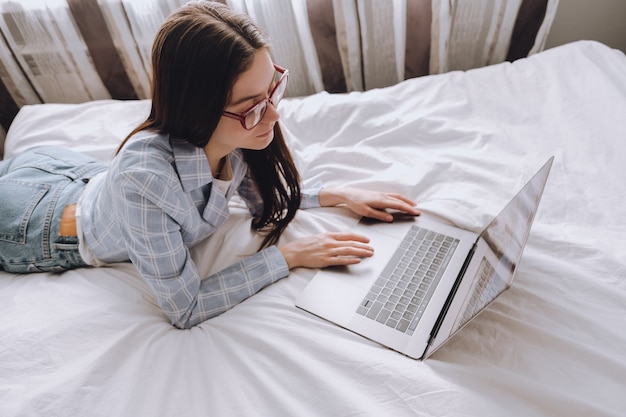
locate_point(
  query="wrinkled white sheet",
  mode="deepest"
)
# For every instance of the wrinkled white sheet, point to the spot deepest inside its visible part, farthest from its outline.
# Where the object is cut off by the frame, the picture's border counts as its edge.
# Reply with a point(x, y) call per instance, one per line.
point(93, 342)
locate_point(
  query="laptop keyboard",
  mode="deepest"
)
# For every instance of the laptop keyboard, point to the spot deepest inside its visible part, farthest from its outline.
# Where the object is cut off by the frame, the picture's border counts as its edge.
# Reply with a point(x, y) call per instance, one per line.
point(400, 295)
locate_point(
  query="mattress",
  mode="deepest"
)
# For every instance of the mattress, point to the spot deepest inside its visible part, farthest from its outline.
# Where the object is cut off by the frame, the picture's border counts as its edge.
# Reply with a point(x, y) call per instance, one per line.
point(94, 342)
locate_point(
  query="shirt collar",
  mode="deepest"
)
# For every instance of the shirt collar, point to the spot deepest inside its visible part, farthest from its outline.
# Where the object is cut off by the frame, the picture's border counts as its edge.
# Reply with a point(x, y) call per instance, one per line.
point(191, 163)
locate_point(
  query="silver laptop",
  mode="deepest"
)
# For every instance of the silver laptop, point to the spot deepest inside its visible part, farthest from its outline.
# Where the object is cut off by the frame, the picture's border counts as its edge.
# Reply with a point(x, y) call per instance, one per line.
point(427, 279)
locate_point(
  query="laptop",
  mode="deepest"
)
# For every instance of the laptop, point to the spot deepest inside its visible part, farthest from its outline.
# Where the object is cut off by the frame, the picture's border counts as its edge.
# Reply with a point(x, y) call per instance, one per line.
point(427, 278)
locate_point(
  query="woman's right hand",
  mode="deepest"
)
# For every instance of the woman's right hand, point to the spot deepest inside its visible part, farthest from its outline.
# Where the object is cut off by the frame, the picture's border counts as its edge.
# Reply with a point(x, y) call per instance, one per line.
point(326, 249)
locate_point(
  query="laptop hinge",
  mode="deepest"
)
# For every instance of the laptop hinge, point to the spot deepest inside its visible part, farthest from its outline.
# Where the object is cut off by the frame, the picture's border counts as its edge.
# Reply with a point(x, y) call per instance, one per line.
point(446, 306)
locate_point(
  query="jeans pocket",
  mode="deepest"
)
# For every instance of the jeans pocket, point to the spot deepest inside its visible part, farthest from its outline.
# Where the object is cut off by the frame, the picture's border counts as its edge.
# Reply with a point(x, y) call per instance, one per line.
point(18, 201)
point(67, 249)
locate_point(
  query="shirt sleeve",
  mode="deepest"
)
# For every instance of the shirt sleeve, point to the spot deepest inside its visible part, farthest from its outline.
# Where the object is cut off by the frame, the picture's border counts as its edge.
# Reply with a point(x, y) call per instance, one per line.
point(156, 248)
point(311, 196)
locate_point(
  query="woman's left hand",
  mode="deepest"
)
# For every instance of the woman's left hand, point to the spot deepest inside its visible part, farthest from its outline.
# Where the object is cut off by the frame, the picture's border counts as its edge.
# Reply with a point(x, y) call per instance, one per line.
point(368, 203)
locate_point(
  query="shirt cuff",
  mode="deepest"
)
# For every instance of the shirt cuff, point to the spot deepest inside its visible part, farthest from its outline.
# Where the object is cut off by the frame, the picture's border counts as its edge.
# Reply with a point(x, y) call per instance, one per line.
point(311, 196)
point(276, 262)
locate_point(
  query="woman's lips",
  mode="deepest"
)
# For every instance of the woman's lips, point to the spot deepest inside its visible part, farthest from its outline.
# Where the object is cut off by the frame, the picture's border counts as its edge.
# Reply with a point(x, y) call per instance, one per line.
point(266, 134)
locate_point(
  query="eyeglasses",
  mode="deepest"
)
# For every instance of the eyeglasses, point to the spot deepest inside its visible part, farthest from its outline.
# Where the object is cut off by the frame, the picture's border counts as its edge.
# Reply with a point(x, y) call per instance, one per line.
point(252, 117)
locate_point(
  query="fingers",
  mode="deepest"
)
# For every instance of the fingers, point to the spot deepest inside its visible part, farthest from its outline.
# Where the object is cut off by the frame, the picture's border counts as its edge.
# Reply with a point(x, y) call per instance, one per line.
point(349, 236)
point(401, 203)
point(388, 201)
point(347, 255)
point(326, 249)
point(342, 245)
point(400, 197)
point(343, 261)
point(343, 249)
point(353, 249)
point(378, 214)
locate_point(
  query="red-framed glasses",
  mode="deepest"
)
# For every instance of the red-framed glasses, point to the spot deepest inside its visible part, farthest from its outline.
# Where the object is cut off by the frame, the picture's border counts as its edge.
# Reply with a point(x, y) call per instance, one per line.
point(252, 117)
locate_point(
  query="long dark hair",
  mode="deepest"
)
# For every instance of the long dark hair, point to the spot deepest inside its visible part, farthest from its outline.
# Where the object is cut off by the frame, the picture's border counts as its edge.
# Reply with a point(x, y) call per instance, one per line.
point(197, 56)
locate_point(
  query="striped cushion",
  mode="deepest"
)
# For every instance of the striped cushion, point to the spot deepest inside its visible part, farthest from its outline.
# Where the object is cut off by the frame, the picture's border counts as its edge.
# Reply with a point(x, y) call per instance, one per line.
point(74, 51)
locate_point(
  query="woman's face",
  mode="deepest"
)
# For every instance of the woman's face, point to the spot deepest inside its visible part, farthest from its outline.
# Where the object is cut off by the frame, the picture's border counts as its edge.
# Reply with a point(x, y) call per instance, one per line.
point(251, 87)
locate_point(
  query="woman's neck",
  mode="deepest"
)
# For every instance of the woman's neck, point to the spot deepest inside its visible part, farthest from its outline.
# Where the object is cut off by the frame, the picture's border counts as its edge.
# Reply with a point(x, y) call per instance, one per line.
point(220, 168)
point(217, 160)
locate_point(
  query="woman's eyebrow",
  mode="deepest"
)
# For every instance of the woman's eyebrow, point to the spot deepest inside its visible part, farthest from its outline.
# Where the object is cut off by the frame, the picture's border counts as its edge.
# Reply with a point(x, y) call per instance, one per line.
point(247, 98)
point(253, 96)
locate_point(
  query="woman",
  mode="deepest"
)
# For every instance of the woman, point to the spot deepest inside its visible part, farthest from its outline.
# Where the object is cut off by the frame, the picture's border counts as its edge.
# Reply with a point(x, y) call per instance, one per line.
point(212, 131)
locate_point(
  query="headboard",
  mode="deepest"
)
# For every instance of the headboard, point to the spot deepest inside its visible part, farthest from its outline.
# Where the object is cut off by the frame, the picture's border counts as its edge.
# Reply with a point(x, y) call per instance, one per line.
point(72, 51)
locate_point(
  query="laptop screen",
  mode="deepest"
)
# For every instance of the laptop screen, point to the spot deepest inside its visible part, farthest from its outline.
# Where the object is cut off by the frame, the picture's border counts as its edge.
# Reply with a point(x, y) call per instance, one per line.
point(506, 236)
point(507, 233)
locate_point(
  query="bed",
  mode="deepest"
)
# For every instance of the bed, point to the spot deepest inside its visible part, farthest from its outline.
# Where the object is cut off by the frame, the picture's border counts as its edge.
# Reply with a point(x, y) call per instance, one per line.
point(94, 342)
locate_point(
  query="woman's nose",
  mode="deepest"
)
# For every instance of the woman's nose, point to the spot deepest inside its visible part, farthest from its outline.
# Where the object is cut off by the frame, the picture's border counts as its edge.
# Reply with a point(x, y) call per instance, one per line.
point(271, 114)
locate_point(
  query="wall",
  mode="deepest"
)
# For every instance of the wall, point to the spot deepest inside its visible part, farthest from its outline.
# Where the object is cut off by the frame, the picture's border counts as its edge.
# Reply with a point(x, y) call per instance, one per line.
point(600, 20)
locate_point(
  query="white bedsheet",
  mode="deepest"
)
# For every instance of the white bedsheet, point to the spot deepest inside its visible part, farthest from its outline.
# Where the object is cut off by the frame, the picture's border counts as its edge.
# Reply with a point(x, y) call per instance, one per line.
point(93, 342)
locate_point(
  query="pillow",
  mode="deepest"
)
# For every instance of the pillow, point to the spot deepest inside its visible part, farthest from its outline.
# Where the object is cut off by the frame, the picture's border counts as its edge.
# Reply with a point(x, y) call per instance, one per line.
point(95, 128)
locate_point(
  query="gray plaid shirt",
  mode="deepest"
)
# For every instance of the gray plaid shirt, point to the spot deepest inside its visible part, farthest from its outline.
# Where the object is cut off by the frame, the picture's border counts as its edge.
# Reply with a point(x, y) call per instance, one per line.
point(155, 202)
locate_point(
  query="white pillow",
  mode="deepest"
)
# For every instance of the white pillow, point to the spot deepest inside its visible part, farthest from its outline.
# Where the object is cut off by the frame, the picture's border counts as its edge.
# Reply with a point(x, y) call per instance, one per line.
point(95, 128)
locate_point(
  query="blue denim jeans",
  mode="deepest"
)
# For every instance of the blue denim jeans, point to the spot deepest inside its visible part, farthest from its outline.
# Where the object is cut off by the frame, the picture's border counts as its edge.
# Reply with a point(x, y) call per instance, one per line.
point(35, 187)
